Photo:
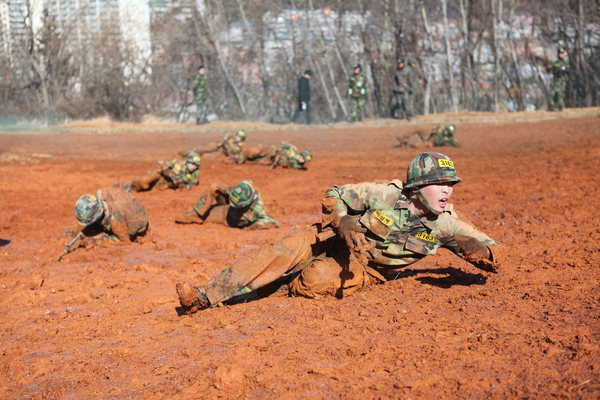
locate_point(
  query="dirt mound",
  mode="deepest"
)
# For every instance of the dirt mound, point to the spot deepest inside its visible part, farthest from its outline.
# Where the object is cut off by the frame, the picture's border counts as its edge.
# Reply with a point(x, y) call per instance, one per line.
point(103, 323)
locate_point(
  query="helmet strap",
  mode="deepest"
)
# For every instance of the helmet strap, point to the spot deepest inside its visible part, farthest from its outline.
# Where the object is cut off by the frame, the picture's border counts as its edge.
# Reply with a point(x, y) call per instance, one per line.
point(424, 202)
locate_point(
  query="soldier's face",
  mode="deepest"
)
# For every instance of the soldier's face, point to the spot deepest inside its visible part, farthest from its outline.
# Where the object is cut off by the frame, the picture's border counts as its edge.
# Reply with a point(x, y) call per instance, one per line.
point(437, 196)
point(192, 167)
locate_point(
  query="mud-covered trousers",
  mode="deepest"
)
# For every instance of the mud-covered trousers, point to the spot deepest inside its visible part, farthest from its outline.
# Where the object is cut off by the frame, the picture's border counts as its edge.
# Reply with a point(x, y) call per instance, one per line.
point(321, 269)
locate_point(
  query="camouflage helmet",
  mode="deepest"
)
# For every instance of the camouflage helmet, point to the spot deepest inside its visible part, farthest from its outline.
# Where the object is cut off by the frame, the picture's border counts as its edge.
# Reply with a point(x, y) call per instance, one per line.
point(307, 155)
point(193, 158)
point(451, 129)
point(241, 195)
point(241, 134)
point(430, 168)
point(88, 209)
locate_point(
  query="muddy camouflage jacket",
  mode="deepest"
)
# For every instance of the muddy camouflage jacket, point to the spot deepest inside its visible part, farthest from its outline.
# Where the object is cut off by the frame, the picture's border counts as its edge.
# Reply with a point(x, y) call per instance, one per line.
point(178, 175)
point(401, 238)
point(254, 215)
point(124, 216)
point(232, 148)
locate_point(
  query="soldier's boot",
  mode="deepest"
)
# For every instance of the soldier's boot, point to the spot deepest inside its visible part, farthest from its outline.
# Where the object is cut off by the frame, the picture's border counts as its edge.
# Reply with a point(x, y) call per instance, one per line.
point(192, 299)
point(189, 217)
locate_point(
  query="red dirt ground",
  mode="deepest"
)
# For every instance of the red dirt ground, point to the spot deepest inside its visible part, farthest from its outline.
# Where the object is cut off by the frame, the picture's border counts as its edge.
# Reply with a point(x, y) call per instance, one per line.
point(103, 322)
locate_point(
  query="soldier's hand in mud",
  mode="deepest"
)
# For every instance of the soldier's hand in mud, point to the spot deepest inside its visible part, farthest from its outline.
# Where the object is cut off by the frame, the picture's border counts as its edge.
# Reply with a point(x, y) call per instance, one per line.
point(353, 234)
point(474, 251)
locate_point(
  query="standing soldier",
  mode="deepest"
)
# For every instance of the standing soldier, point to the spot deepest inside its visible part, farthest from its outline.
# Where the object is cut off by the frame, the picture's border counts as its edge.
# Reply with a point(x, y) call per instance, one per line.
point(239, 206)
point(304, 97)
point(559, 67)
point(231, 146)
point(110, 214)
point(173, 174)
point(357, 90)
point(368, 232)
point(403, 89)
point(200, 95)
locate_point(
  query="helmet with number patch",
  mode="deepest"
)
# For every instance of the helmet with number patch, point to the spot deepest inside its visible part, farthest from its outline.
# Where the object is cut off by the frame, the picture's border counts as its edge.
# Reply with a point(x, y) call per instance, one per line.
point(451, 129)
point(307, 155)
point(430, 168)
point(241, 195)
point(193, 158)
point(88, 209)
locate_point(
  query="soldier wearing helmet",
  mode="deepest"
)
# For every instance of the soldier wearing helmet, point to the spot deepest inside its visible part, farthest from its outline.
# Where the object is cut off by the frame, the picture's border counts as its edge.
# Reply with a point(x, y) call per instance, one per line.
point(288, 156)
point(357, 90)
point(443, 136)
point(369, 231)
point(231, 146)
point(111, 213)
point(238, 206)
point(404, 87)
point(172, 174)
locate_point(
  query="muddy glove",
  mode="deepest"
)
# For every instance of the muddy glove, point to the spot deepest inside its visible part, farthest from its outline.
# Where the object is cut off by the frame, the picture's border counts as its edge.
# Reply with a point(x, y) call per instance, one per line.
point(475, 252)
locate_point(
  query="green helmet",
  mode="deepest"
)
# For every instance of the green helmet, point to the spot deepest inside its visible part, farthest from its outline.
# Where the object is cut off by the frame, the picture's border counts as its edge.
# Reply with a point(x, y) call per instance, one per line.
point(241, 195)
point(451, 129)
point(241, 134)
point(430, 168)
point(88, 209)
point(307, 155)
point(193, 158)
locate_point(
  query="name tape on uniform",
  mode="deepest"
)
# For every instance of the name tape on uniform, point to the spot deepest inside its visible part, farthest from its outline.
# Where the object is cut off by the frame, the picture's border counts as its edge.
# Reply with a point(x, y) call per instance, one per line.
point(445, 163)
point(387, 221)
point(425, 236)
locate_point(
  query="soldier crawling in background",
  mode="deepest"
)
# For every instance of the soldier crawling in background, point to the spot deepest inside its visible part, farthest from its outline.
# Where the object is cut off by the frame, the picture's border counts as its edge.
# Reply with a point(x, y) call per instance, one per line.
point(286, 155)
point(369, 231)
point(232, 147)
point(110, 214)
point(172, 174)
point(440, 136)
point(559, 67)
point(238, 206)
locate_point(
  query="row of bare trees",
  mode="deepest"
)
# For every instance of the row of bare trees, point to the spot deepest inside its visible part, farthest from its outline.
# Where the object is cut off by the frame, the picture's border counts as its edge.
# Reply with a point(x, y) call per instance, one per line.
point(481, 55)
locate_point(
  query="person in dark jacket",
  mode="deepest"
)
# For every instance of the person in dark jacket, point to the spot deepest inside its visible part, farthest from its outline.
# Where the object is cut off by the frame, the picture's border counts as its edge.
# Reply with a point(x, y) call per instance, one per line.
point(304, 97)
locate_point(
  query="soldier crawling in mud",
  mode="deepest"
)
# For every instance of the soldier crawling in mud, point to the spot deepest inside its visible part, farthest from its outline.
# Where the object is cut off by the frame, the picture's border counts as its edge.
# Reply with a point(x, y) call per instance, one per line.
point(172, 174)
point(110, 214)
point(232, 147)
point(440, 136)
point(286, 155)
point(238, 206)
point(368, 232)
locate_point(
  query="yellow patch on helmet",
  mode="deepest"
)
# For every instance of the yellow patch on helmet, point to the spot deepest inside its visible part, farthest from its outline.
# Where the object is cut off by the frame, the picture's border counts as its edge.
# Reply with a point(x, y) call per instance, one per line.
point(445, 163)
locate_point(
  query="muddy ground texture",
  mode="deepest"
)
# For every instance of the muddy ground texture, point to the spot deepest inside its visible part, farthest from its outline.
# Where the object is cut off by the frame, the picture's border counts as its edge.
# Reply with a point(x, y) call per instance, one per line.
point(103, 322)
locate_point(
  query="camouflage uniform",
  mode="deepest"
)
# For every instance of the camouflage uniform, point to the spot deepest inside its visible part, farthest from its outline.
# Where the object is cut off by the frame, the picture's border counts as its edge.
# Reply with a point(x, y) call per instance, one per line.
point(559, 67)
point(442, 136)
point(288, 156)
point(200, 96)
point(403, 89)
point(173, 174)
point(214, 206)
point(357, 89)
point(124, 217)
point(320, 263)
